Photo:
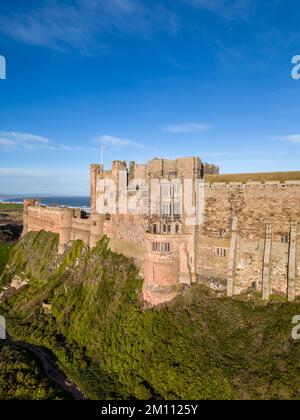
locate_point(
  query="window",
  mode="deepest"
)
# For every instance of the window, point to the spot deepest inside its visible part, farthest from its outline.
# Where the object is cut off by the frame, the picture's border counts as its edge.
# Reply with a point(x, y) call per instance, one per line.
point(220, 252)
point(161, 247)
point(177, 228)
point(285, 239)
point(155, 246)
point(222, 233)
point(177, 208)
point(178, 189)
point(165, 247)
point(166, 191)
point(155, 229)
point(166, 209)
point(166, 228)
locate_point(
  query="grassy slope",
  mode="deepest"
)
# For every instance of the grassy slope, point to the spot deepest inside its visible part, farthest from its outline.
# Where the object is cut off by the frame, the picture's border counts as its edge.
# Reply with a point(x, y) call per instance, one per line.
point(11, 207)
point(197, 347)
point(254, 177)
point(5, 248)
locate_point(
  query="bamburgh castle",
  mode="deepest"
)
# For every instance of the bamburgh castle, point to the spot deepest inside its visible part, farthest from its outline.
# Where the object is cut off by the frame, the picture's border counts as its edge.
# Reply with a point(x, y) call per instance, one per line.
point(246, 238)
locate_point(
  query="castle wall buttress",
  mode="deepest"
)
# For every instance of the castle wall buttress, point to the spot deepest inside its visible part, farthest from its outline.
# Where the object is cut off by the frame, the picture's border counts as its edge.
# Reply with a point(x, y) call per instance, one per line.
point(168, 266)
point(292, 268)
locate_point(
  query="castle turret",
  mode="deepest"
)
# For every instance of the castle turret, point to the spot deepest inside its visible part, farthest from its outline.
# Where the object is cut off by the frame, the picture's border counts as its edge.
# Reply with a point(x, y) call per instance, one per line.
point(95, 169)
point(97, 221)
point(65, 228)
point(27, 203)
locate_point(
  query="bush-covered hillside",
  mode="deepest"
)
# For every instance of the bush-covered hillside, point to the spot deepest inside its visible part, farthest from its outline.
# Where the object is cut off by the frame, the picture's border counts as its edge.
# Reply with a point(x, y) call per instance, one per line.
point(21, 377)
point(197, 347)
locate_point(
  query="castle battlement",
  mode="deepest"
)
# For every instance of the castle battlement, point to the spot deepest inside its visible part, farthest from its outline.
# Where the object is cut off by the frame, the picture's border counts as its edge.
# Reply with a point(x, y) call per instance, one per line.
point(247, 238)
point(258, 185)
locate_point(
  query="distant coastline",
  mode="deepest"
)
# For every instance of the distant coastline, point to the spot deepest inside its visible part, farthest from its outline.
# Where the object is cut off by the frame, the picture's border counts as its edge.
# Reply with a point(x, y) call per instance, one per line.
point(48, 200)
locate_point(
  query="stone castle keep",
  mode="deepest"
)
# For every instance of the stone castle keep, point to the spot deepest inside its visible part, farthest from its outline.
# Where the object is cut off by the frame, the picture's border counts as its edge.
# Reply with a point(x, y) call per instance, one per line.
point(247, 239)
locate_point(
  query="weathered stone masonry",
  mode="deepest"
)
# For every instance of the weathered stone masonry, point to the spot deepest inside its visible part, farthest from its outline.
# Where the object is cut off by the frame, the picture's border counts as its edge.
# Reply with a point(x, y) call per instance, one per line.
point(248, 240)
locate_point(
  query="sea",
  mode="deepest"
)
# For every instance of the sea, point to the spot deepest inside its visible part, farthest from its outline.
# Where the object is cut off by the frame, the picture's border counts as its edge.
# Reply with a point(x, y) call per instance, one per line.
point(61, 201)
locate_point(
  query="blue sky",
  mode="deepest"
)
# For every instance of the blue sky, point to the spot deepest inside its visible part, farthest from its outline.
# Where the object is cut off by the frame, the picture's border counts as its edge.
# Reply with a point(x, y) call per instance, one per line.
point(169, 78)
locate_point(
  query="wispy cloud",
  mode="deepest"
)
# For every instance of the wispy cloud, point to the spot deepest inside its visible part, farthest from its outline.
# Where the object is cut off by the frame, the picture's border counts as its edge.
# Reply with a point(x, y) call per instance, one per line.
point(228, 9)
point(11, 140)
point(81, 25)
point(84, 25)
point(117, 142)
point(294, 138)
point(186, 128)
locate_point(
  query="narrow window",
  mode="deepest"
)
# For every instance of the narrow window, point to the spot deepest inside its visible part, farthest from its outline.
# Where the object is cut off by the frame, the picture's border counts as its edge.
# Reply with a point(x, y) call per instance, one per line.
point(177, 208)
point(166, 247)
point(285, 239)
point(222, 233)
point(220, 252)
point(154, 246)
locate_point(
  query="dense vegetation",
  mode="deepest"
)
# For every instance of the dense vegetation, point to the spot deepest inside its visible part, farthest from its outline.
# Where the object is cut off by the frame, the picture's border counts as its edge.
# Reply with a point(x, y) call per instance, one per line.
point(21, 374)
point(197, 347)
point(21, 377)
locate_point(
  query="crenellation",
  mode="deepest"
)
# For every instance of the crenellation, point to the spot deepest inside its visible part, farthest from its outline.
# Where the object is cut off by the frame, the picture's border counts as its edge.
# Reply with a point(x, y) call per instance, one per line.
point(253, 185)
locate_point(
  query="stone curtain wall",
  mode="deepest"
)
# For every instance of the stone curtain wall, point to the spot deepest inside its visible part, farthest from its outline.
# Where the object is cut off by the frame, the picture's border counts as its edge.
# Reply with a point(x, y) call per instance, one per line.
point(265, 216)
point(43, 218)
point(126, 232)
point(249, 240)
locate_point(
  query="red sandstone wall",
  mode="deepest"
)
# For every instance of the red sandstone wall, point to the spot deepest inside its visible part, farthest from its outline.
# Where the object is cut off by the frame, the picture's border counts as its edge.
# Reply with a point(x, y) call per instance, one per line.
point(164, 272)
point(44, 218)
point(126, 227)
point(81, 229)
